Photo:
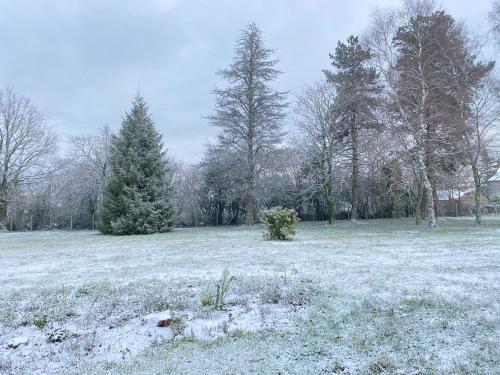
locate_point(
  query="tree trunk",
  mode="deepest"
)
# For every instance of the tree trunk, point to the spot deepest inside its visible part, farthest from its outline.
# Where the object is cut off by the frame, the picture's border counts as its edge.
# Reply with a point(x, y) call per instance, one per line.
point(329, 207)
point(355, 170)
point(317, 207)
point(477, 194)
point(427, 189)
point(418, 204)
point(329, 191)
point(422, 150)
point(436, 200)
point(250, 195)
point(220, 213)
point(3, 211)
point(3, 202)
point(250, 207)
point(430, 162)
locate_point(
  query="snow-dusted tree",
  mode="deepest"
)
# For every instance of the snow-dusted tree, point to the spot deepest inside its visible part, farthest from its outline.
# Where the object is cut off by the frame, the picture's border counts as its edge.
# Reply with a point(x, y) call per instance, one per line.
point(282, 182)
point(91, 157)
point(387, 183)
point(26, 145)
point(188, 183)
point(410, 46)
point(139, 196)
point(221, 191)
point(476, 119)
point(357, 88)
point(495, 21)
point(249, 111)
point(321, 136)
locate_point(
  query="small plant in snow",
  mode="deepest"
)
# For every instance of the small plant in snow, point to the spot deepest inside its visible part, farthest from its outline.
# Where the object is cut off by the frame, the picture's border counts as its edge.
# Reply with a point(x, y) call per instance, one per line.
point(382, 365)
point(6, 366)
point(83, 291)
point(264, 312)
point(272, 292)
point(41, 322)
point(222, 288)
point(217, 299)
point(280, 223)
point(65, 297)
point(226, 323)
point(156, 300)
point(207, 299)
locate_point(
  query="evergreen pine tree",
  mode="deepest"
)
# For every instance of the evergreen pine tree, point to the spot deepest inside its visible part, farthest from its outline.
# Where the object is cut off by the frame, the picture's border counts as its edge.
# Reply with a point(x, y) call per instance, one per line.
point(139, 195)
point(357, 91)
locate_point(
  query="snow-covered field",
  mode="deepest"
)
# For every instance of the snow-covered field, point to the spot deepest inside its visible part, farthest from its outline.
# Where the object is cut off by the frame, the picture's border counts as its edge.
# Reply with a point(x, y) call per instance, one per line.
point(373, 297)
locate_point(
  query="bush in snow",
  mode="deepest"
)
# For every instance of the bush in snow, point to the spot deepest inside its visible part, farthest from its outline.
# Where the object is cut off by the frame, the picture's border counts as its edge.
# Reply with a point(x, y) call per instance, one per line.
point(280, 223)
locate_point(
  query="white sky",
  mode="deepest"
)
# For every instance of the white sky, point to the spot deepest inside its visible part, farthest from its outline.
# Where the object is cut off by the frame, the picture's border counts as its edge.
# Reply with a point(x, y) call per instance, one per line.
point(82, 62)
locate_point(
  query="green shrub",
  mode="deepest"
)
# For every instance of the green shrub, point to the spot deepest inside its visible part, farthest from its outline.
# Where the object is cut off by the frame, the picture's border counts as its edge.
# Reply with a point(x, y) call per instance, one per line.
point(41, 322)
point(207, 299)
point(280, 223)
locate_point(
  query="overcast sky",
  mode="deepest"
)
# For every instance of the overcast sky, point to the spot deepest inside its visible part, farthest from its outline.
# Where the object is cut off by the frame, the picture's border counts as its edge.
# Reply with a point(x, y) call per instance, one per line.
point(82, 61)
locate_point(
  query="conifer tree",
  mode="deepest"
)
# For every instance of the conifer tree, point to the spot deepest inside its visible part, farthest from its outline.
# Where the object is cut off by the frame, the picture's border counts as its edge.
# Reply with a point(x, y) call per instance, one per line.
point(249, 112)
point(139, 195)
point(357, 88)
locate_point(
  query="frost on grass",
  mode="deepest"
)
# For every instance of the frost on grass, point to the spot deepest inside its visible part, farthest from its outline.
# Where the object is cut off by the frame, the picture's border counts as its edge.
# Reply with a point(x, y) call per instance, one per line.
point(63, 328)
point(379, 298)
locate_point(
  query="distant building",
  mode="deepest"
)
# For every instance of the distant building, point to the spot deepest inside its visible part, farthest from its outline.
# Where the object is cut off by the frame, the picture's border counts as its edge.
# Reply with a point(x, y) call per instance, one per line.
point(493, 185)
point(455, 202)
point(453, 194)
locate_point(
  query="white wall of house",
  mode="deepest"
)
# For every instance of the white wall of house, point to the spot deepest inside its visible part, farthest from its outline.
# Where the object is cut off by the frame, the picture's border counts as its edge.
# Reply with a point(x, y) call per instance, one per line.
point(493, 189)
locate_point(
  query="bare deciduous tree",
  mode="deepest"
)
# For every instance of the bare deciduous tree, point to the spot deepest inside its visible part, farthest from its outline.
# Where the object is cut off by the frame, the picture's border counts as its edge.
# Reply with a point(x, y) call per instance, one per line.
point(25, 145)
point(187, 182)
point(495, 21)
point(91, 155)
point(321, 138)
point(477, 119)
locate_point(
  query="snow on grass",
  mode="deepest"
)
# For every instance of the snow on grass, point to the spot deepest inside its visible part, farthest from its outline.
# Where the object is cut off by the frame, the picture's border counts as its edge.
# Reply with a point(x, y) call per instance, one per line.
point(376, 297)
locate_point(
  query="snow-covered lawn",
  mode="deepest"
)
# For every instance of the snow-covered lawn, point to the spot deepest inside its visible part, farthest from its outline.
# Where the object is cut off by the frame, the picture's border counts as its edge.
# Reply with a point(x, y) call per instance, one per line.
point(373, 297)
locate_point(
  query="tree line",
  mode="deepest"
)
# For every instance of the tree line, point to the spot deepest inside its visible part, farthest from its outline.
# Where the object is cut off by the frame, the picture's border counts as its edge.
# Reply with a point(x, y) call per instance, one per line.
point(405, 111)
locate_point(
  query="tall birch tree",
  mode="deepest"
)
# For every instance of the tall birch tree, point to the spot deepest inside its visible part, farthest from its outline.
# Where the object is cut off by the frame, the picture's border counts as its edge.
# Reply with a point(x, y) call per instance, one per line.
point(410, 46)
